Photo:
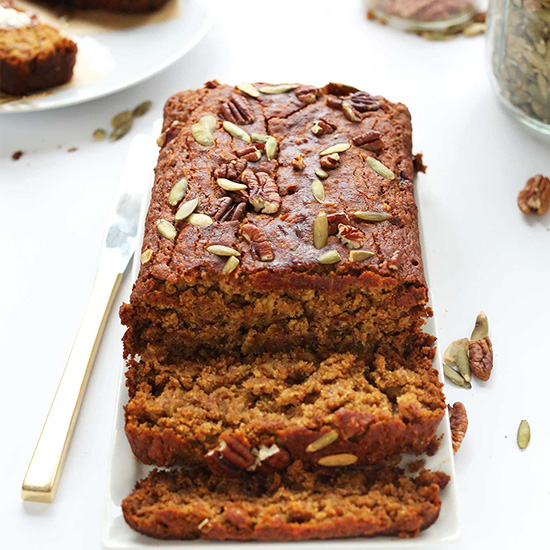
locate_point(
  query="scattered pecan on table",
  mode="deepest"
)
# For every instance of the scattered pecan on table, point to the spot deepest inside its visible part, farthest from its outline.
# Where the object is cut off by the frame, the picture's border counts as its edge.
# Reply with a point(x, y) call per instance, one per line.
point(534, 198)
point(459, 424)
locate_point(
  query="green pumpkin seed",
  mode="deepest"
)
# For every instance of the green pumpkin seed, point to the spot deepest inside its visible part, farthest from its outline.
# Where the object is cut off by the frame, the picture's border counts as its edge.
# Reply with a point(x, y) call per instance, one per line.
point(209, 122)
point(318, 191)
point(343, 459)
point(481, 328)
point(230, 265)
point(166, 229)
point(330, 257)
point(200, 220)
point(324, 441)
point(259, 138)
point(235, 131)
point(360, 255)
point(320, 230)
point(474, 29)
point(100, 134)
point(320, 173)
point(338, 148)
point(380, 168)
point(122, 118)
point(202, 135)
point(455, 377)
point(121, 130)
point(146, 256)
point(186, 209)
point(221, 250)
point(142, 108)
point(371, 216)
point(524, 434)
point(280, 89)
point(177, 192)
point(270, 148)
point(449, 356)
point(463, 363)
point(248, 89)
point(229, 185)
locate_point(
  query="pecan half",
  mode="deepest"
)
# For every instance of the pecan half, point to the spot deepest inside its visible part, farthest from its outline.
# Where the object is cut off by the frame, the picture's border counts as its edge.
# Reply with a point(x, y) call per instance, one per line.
point(336, 88)
point(260, 245)
point(535, 197)
point(459, 424)
point(228, 209)
point(334, 102)
point(330, 162)
point(322, 127)
point(231, 170)
point(307, 94)
point(369, 140)
point(250, 153)
point(335, 220)
point(350, 236)
point(231, 457)
point(237, 110)
point(363, 102)
point(264, 193)
point(481, 358)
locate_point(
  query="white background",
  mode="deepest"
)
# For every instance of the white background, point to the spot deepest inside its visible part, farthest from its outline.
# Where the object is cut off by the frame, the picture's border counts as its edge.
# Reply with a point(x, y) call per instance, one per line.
point(481, 251)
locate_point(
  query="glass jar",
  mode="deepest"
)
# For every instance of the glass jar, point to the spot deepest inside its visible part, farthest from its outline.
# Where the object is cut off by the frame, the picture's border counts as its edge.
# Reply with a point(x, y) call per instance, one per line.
point(519, 58)
point(424, 15)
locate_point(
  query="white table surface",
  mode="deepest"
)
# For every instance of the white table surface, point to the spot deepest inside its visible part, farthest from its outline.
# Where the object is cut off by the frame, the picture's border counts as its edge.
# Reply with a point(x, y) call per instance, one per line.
point(482, 254)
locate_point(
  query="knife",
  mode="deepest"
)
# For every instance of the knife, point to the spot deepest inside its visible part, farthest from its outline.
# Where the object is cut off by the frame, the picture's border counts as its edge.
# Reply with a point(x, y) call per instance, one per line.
point(119, 245)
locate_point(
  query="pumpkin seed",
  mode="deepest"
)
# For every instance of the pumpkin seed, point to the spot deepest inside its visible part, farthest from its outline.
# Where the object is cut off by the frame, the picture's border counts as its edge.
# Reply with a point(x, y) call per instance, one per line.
point(449, 356)
point(380, 168)
point(209, 122)
point(280, 89)
point(202, 523)
point(186, 209)
point(259, 138)
point(320, 173)
point(320, 230)
point(221, 250)
point(344, 459)
point(481, 328)
point(455, 377)
point(177, 193)
point(100, 134)
point(338, 148)
point(229, 185)
point(142, 108)
point(330, 257)
point(248, 89)
point(166, 229)
point(200, 219)
point(473, 29)
point(318, 190)
point(202, 135)
point(524, 434)
point(121, 131)
point(371, 216)
point(270, 148)
point(324, 441)
point(360, 255)
point(230, 265)
point(463, 363)
point(146, 256)
point(235, 131)
point(122, 118)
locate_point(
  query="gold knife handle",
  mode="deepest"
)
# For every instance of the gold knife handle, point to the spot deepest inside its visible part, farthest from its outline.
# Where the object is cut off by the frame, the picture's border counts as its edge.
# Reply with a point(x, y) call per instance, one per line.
point(44, 470)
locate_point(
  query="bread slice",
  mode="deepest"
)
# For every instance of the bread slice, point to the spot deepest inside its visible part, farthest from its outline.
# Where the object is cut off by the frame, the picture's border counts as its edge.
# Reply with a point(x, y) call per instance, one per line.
point(297, 505)
point(290, 406)
point(33, 56)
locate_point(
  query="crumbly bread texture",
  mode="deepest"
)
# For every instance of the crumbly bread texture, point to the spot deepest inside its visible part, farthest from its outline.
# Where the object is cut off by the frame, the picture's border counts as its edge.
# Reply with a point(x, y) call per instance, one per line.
point(128, 6)
point(34, 57)
point(183, 306)
point(296, 505)
point(372, 410)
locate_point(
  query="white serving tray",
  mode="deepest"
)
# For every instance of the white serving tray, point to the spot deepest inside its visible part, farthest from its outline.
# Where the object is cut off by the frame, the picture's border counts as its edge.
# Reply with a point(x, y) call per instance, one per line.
point(125, 471)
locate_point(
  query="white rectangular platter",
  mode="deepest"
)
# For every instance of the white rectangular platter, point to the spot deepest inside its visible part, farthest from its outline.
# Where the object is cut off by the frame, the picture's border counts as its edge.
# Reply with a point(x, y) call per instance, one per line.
point(125, 471)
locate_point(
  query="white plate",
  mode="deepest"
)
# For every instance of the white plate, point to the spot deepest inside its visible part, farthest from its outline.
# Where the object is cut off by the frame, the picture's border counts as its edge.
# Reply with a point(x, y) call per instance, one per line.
point(125, 470)
point(108, 62)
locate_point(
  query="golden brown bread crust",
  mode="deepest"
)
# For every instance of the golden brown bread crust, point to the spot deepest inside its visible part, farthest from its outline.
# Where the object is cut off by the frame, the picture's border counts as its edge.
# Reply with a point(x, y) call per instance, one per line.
point(34, 58)
point(180, 413)
point(297, 505)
